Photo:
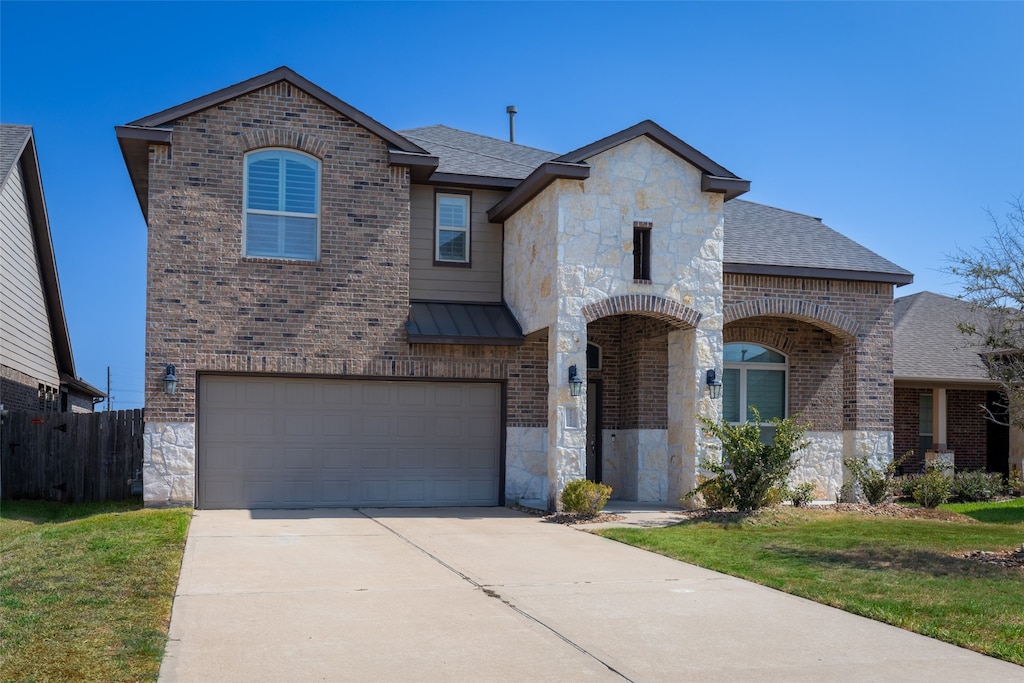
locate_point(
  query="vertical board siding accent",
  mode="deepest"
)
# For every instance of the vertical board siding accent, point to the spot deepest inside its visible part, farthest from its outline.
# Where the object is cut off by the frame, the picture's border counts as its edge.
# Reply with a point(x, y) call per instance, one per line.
point(70, 457)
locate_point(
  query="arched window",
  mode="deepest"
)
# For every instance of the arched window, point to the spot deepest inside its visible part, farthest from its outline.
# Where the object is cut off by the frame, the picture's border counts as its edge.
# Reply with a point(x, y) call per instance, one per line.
point(754, 376)
point(593, 356)
point(282, 205)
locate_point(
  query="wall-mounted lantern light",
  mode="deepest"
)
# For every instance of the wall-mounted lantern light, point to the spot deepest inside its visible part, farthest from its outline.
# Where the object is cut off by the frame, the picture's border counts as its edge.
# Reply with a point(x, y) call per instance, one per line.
point(575, 383)
point(170, 380)
point(714, 384)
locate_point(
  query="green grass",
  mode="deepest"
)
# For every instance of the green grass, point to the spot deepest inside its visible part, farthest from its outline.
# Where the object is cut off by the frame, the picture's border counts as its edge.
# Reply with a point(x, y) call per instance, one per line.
point(1004, 512)
point(86, 590)
point(895, 570)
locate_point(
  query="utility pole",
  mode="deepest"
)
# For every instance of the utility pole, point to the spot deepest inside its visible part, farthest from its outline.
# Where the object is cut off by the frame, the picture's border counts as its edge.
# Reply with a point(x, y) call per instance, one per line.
point(109, 397)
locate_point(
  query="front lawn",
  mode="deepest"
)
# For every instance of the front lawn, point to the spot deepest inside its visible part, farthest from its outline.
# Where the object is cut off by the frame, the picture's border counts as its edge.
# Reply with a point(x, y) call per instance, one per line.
point(900, 571)
point(1003, 512)
point(86, 590)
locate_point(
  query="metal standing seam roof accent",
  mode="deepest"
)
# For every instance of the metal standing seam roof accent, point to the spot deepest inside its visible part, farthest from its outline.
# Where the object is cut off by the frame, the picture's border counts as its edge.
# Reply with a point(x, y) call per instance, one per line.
point(927, 346)
point(443, 322)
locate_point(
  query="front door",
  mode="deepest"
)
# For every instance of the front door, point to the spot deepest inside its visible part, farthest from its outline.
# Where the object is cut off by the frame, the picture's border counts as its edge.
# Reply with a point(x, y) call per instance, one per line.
point(594, 430)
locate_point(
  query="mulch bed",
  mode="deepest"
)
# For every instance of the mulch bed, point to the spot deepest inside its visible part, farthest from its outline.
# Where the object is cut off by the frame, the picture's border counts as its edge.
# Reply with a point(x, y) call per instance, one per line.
point(1010, 558)
point(568, 517)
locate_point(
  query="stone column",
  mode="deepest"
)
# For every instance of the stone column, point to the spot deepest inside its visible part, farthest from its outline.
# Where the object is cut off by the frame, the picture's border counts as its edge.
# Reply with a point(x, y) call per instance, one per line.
point(567, 416)
point(691, 353)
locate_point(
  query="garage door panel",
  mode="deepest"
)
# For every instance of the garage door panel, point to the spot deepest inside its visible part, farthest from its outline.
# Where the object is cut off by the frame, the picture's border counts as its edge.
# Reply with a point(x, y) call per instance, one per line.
point(256, 393)
point(305, 443)
point(299, 425)
point(336, 458)
point(258, 424)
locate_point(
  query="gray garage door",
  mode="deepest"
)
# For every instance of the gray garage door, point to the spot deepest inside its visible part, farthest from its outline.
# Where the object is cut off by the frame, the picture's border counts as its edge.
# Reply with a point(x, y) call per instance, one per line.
point(287, 443)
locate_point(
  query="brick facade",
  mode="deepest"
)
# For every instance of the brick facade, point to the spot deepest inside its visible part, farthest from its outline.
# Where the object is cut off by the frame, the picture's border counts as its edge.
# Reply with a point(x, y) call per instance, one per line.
point(966, 427)
point(210, 309)
point(859, 318)
point(907, 427)
point(18, 391)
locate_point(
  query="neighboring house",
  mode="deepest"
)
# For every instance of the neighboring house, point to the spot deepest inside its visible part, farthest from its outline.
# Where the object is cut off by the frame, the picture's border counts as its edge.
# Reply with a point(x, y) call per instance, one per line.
point(364, 317)
point(943, 395)
point(37, 369)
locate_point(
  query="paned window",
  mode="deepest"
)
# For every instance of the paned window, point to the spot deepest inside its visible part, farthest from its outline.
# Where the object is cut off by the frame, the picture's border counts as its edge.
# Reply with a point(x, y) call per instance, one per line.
point(926, 424)
point(754, 377)
point(282, 205)
point(452, 228)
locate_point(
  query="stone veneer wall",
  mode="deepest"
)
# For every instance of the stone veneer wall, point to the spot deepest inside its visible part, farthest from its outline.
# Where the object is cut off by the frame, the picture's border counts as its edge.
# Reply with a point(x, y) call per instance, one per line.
point(571, 246)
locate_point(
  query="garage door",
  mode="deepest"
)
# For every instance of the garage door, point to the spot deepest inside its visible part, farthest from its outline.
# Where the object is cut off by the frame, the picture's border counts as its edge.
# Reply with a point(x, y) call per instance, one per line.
point(286, 443)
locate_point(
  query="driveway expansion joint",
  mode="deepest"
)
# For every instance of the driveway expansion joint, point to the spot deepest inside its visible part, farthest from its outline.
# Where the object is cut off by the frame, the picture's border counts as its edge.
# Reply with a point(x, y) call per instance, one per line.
point(494, 594)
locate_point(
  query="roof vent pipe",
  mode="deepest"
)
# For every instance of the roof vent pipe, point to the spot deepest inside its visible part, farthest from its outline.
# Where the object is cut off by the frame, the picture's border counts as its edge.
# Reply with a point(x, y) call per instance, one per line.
point(511, 111)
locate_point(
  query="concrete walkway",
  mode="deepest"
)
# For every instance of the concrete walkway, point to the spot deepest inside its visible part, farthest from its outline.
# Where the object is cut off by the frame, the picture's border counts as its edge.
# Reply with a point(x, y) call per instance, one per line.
point(491, 594)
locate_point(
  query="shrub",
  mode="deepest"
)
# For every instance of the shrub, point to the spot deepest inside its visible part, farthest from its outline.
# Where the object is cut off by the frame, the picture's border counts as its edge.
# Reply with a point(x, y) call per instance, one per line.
point(712, 493)
point(585, 497)
point(976, 485)
point(752, 473)
point(802, 494)
point(931, 489)
point(876, 484)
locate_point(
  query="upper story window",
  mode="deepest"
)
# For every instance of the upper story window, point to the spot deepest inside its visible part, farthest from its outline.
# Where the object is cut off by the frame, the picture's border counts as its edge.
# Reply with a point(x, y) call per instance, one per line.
point(642, 251)
point(282, 205)
point(754, 376)
point(451, 228)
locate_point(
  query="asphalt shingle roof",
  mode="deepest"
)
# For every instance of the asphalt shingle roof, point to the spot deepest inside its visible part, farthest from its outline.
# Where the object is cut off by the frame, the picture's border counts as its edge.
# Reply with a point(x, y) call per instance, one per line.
point(470, 154)
point(12, 140)
point(756, 234)
point(927, 344)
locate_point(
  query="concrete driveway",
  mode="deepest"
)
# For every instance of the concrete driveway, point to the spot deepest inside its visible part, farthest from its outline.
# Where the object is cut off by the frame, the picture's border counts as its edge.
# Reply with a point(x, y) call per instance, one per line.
point(491, 594)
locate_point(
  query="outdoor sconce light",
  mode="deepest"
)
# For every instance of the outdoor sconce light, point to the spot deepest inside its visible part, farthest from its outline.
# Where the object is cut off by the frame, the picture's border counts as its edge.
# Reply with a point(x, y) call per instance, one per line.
point(714, 384)
point(170, 380)
point(575, 383)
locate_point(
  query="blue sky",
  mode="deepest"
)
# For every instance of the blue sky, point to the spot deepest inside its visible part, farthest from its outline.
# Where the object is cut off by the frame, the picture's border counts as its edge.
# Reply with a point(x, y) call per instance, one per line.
point(899, 124)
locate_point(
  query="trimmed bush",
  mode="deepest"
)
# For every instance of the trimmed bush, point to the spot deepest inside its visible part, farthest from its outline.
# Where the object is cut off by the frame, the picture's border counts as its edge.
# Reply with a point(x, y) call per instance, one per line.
point(751, 474)
point(931, 489)
point(585, 497)
point(876, 484)
point(975, 485)
point(802, 494)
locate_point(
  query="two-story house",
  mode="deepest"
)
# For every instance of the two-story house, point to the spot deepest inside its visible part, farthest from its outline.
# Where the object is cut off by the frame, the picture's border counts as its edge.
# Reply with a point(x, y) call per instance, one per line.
point(362, 317)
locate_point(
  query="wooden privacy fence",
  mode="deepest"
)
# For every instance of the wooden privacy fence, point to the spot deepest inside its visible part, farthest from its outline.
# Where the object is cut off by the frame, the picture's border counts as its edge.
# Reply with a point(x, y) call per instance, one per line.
point(70, 457)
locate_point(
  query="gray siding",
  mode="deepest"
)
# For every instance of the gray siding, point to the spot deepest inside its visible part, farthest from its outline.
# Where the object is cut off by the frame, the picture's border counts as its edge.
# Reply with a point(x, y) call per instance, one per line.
point(26, 343)
point(479, 283)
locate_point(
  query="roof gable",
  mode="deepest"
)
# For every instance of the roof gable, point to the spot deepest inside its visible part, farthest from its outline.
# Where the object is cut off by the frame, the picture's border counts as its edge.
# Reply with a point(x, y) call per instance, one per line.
point(715, 177)
point(281, 73)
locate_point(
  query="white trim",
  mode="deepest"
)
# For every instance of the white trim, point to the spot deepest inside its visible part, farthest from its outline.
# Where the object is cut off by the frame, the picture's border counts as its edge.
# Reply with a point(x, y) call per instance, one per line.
point(743, 366)
point(246, 212)
point(465, 197)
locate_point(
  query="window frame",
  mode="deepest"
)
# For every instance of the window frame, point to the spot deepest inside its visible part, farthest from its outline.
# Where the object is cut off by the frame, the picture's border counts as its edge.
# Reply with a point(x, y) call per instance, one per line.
point(642, 233)
point(246, 211)
point(599, 352)
point(743, 366)
point(468, 198)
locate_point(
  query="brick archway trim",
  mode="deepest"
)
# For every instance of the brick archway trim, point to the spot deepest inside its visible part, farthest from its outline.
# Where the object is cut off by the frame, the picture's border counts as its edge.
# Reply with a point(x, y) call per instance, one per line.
point(757, 335)
point(283, 137)
point(649, 305)
point(820, 315)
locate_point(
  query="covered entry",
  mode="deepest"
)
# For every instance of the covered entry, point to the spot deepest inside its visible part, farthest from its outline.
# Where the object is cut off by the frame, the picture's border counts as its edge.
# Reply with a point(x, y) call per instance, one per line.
point(271, 442)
